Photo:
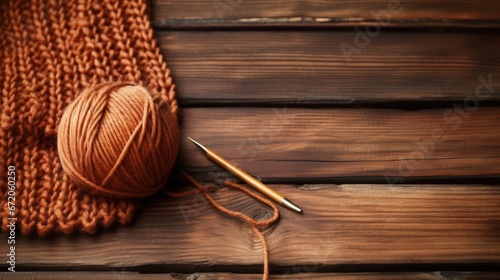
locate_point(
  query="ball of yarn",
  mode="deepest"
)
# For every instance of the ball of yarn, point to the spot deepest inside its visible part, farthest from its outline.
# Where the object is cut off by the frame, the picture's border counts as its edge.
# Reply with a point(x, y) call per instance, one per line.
point(117, 139)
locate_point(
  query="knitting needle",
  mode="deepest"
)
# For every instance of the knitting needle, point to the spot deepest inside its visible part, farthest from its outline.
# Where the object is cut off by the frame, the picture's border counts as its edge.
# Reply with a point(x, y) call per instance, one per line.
point(247, 178)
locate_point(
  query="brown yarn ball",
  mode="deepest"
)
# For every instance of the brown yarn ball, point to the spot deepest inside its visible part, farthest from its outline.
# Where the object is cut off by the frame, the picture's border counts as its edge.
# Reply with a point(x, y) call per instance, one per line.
point(118, 140)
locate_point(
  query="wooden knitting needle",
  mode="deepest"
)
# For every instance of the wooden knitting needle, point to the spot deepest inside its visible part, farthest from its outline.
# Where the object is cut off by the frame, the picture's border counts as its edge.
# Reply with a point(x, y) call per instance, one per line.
point(247, 178)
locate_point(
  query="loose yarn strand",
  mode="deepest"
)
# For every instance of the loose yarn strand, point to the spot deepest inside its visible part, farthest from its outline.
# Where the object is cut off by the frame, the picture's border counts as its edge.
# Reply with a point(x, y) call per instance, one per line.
point(252, 222)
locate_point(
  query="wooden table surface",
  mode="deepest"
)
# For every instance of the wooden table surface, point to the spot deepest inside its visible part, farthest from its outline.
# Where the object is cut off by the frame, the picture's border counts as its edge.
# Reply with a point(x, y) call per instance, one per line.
point(381, 118)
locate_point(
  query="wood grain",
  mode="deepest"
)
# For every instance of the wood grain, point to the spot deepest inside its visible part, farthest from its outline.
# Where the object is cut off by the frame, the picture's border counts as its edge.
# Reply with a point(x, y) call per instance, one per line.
point(123, 275)
point(294, 67)
point(419, 13)
point(358, 145)
point(345, 227)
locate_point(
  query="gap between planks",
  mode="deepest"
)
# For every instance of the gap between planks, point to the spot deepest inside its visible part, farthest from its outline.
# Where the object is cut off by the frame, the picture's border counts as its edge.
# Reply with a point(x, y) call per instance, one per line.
point(124, 275)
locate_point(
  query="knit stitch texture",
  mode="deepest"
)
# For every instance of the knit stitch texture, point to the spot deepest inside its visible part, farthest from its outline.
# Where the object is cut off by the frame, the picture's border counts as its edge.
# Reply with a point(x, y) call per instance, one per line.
point(49, 52)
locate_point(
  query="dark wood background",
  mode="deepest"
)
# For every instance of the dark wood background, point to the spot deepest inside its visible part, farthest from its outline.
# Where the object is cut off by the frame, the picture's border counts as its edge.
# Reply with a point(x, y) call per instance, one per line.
point(396, 179)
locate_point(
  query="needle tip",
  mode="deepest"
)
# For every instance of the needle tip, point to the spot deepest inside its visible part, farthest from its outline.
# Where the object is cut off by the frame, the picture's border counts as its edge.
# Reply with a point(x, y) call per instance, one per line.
point(198, 144)
point(290, 205)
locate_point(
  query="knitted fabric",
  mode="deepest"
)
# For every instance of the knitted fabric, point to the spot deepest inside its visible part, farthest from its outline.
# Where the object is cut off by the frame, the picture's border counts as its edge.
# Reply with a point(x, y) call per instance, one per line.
point(49, 52)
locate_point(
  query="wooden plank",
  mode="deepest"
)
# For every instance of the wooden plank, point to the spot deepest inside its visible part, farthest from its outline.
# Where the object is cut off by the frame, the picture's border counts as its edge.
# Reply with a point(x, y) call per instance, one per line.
point(296, 67)
point(123, 275)
point(357, 145)
point(405, 13)
point(344, 227)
